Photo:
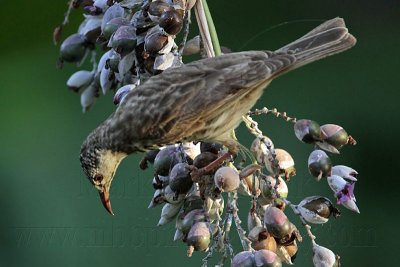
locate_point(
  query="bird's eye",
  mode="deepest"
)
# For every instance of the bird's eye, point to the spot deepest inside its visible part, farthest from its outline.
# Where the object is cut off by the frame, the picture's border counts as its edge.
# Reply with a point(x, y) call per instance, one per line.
point(98, 178)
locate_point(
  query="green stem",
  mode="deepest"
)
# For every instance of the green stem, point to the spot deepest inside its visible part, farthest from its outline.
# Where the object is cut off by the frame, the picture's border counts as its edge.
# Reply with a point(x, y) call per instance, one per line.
point(211, 28)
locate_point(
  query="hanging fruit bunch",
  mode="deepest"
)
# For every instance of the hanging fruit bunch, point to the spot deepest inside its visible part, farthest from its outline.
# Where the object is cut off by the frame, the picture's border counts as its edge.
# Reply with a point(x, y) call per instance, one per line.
point(138, 39)
point(198, 185)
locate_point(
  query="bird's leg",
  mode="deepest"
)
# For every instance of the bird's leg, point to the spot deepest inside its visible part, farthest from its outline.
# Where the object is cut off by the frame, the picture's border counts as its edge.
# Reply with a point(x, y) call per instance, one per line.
point(197, 173)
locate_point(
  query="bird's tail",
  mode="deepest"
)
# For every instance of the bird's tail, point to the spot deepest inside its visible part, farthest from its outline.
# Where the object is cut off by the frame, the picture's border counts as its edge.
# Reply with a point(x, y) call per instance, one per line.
point(329, 38)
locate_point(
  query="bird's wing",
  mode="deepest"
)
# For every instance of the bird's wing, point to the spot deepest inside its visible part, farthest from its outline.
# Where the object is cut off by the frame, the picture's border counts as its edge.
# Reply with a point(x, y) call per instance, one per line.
point(178, 102)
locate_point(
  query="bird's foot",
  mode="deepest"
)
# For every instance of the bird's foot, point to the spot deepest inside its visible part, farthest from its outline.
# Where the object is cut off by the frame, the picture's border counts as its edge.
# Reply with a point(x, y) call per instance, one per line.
point(196, 173)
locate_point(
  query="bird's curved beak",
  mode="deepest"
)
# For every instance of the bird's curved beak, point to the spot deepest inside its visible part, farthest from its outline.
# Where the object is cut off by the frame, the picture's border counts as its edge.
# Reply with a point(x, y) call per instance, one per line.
point(105, 198)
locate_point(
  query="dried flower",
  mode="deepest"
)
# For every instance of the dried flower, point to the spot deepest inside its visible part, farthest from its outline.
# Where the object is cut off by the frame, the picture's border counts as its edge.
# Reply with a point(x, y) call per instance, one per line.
point(344, 192)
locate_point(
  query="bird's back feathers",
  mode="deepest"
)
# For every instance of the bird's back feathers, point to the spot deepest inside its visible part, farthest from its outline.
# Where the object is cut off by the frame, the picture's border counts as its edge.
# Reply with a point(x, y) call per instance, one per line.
point(201, 100)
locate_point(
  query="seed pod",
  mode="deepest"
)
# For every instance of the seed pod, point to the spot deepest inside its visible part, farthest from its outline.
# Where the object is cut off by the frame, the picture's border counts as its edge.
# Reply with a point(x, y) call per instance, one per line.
point(73, 49)
point(266, 258)
point(226, 179)
point(171, 21)
point(91, 28)
point(106, 80)
point(292, 250)
point(317, 209)
point(126, 63)
point(192, 202)
point(88, 96)
point(179, 178)
point(154, 42)
point(243, 188)
point(166, 160)
point(253, 220)
point(160, 182)
point(287, 253)
point(124, 40)
point(178, 235)
point(210, 147)
point(79, 80)
point(255, 232)
point(157, 199)
point(319, 164)
point(204, 159)
point(307, 131)
point(323, 257)
point(249, 181)
point(277, 223)
point(249, 170)
point(286, 164)
point(199, 236)
point(112, 26)
point(113, 61)
point(102, 4)
point(163, 62)
point(292, 235)
point(345, 172)
point(243, 259)
point(260, 150)
point(173, 197)
point(158, 7)
point(192, 46)
point(149, 156)
point(184, 223)
point(122, 92)
point(261, 239)
point(168, 213)
point(268, 188)
point(334, 135)
point(93, 10)
point(115, 11)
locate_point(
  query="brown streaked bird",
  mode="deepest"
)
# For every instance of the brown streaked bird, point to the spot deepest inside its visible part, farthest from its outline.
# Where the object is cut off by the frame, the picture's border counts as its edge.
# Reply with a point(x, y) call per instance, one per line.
point(202, 100)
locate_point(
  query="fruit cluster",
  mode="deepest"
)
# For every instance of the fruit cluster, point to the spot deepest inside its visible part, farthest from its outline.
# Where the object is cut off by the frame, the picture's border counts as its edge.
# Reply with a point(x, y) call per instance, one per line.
point(191, 181)
point(198, 184)
point(138, 41)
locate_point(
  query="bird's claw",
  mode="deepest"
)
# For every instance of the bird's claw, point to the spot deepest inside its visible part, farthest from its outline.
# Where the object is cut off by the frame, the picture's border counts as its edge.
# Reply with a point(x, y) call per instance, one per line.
point(195, 172)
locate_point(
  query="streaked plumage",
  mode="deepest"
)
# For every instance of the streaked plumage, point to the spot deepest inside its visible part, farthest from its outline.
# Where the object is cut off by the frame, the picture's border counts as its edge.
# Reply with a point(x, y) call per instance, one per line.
point(203, 100)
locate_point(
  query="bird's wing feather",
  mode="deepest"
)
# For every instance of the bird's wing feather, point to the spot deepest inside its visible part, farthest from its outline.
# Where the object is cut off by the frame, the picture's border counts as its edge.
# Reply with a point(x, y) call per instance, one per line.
point(179, 101)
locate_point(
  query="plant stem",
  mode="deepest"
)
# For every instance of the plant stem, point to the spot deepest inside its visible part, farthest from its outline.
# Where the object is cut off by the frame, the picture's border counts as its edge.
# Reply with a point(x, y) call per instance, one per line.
point(203, 28)
point(211, 28)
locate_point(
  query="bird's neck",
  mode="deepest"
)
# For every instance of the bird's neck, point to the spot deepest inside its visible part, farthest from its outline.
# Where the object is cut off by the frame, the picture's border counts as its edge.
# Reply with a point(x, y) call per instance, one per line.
point(114, 137)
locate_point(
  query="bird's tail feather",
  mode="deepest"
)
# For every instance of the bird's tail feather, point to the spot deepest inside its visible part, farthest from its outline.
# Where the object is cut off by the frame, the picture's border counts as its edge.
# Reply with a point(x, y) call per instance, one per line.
point(330, 38)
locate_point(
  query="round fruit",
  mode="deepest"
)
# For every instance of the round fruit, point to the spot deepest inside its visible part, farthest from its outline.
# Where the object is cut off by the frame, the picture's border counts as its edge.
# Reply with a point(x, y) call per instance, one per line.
point(171, 21)
point(199, 236)
point(179, 178)
point(73, 49)
point(157, 8)
point(112, 26)
point(204, 159)
point(227, 179)
point(319, 164)
point(307, 131)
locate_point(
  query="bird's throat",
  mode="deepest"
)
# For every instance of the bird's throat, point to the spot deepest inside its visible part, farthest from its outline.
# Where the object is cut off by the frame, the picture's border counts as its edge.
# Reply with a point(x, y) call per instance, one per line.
point(109, 161)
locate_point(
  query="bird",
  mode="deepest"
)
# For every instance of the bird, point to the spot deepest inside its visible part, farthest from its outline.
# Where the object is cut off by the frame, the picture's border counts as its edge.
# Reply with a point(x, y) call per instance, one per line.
point(199, 101)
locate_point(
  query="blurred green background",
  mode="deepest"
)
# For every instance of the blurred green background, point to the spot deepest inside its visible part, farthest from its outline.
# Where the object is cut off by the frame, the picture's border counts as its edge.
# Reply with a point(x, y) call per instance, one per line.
point(52, 217)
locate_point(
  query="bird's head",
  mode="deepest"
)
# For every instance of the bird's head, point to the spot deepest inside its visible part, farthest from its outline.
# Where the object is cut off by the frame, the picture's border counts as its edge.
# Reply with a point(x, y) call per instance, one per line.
point(99, 166)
